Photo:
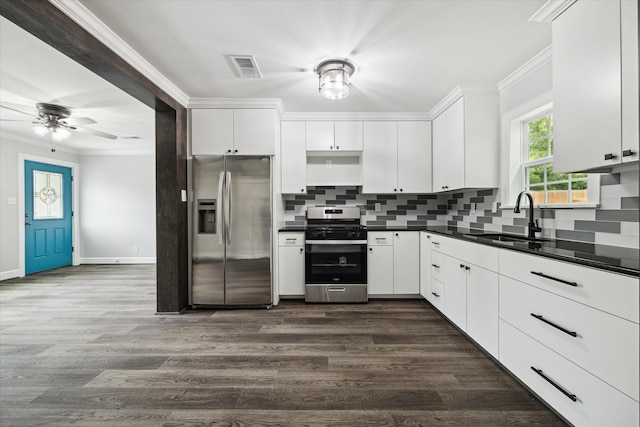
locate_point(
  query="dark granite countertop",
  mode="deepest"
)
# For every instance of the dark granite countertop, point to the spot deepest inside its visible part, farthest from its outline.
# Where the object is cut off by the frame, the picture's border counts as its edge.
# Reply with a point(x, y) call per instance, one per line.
point(612, 258)
point(292, 229)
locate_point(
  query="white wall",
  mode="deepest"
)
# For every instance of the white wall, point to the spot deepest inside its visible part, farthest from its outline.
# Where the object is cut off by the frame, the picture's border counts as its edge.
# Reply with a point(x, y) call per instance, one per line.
point(117, 205)
point(117, 209)
point(9, 225)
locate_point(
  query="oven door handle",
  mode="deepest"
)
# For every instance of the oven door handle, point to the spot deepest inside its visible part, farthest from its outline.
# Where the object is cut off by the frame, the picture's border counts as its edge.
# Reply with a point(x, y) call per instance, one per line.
point(335, 242)
point(334, 265)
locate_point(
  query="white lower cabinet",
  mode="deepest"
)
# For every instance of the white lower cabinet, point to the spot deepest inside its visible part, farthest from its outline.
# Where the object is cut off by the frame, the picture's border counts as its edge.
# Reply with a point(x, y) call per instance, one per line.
point(571, 334)
point(425, 266)
point(380, 263)
point(393, 263)
point(291, 264)
point(406, 263)
point(455, 282)
point(482, 307)
point(582, 398)
point(581, 334)
point(464, 286)
point(437, 294)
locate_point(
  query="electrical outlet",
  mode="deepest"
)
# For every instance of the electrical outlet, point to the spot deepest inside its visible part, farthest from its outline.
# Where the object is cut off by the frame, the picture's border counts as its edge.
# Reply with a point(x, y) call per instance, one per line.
point(135, 250)
point(473, 208)
point(378, 207)
point(494, 207)
point(328, 164)
point(12, 200)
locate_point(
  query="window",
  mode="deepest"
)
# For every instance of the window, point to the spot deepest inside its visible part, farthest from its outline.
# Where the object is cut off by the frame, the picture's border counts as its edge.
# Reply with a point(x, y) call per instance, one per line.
point(527, 161)
point(545, 186)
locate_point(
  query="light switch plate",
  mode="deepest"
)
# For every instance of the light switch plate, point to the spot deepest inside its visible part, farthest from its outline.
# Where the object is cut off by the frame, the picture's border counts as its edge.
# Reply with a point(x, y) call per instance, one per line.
point(12, 201)
point(378, 207)
point(473, 208)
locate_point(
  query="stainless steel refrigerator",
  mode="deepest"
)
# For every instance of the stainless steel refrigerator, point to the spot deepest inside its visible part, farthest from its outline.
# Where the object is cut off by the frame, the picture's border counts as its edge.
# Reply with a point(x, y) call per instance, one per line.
point(231, 240)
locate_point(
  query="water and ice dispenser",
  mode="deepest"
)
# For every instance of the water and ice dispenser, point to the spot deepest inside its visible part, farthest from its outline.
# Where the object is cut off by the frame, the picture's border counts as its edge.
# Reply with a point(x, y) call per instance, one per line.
point(206, 216)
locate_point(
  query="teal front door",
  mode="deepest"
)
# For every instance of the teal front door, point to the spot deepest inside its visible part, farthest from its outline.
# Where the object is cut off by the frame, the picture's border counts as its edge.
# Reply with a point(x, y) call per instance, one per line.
point(48, 216)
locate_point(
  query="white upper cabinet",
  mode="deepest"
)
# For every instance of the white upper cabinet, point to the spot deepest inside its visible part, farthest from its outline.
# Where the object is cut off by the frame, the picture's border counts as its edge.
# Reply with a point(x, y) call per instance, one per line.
point(397, 157)
point(293, 158)
point(334, 136)
point(380, 157)
point(254, 131)
point(466, 142)
point(595, 85)
point(216, 131)
point(414, 157)
point(211, 131)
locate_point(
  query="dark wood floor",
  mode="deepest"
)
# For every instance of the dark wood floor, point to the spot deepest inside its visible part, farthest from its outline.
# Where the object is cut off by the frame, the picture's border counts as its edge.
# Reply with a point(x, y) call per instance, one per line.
point(83, 346)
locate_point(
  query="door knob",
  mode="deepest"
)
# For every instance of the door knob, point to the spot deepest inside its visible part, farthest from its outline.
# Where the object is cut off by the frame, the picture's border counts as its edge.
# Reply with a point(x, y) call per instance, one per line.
point(27, 223)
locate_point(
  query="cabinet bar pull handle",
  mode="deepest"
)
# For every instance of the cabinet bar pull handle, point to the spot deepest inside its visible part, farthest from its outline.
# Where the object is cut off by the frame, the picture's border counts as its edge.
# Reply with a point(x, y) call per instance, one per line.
point(435, 265)
point(566, 331)
point(291, 239)
point(550, 381)
point(566, 282)
point(435, 295)
point(436, 243)
point(609, 156)
point(627, 153)
point(336, 289)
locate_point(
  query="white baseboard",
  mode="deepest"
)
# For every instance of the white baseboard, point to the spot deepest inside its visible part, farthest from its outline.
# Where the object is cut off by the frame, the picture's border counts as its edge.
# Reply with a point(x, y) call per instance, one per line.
point(11, 274)
point(121, 260)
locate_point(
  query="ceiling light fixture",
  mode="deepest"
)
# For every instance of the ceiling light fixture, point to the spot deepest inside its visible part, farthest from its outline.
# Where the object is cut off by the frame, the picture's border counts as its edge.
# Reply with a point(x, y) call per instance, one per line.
point(333, 78)
point(49, 121)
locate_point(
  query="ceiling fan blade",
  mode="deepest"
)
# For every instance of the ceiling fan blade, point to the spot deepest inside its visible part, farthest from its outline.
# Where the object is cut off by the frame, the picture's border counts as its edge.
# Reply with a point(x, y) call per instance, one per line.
point(94, 132)
point(18, 111)
point(14, 120)
point(79, 121)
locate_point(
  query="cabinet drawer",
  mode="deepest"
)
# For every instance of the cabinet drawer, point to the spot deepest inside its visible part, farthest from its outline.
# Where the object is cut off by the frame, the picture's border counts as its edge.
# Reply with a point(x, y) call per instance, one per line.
point(604, 345)
point(596, 404)
point(380, 238)
point(290, 239)
point(614, 293)
point(437, 266)
point(473, 253)
point(438, 242)
point(437, 295)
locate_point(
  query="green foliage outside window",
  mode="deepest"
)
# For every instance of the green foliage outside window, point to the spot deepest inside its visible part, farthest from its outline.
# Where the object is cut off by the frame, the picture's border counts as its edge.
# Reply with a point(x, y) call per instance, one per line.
point(546, 186)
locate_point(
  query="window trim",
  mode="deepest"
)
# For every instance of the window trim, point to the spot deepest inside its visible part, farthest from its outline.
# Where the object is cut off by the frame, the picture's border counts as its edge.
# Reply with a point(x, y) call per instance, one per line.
point(512, 178)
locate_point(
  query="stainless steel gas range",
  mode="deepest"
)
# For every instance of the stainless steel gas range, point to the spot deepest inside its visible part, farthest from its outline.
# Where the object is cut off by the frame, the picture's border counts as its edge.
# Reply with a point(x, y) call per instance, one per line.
point(336, 255)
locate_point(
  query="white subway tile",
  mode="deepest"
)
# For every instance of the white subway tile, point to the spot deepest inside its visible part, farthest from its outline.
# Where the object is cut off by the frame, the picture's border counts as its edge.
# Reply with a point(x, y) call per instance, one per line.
point(617, 240)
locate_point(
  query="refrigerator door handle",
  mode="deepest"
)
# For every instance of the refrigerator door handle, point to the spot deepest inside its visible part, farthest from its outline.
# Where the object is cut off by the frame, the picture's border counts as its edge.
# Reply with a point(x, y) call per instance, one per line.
point(228, 207)
point(219, 209)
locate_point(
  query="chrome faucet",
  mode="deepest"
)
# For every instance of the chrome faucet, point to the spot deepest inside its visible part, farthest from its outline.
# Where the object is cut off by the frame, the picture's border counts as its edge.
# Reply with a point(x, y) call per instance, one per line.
point(534, 227)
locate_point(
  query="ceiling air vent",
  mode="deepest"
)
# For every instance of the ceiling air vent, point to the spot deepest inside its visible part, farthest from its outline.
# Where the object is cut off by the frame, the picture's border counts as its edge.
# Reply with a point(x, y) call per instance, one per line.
point(245, 66)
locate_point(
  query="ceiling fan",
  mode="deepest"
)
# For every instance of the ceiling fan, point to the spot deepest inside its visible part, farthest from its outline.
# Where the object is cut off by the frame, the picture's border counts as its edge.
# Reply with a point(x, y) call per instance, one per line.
point(56, 120)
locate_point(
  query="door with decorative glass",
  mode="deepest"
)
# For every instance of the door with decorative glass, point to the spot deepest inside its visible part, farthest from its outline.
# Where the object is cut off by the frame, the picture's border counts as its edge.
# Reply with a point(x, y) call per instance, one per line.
point(48, 216)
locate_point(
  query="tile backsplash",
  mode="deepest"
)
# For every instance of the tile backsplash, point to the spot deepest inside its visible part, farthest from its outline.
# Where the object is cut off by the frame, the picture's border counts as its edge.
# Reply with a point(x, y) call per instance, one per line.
point(614, 222)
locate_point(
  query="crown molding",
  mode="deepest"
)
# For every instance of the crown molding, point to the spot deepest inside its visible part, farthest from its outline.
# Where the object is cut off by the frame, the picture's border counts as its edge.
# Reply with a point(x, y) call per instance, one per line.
point(458, 92)
point(551, 10)
point(275, 103)
point(87, 20)
point(323, 116)
point(528, 68)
